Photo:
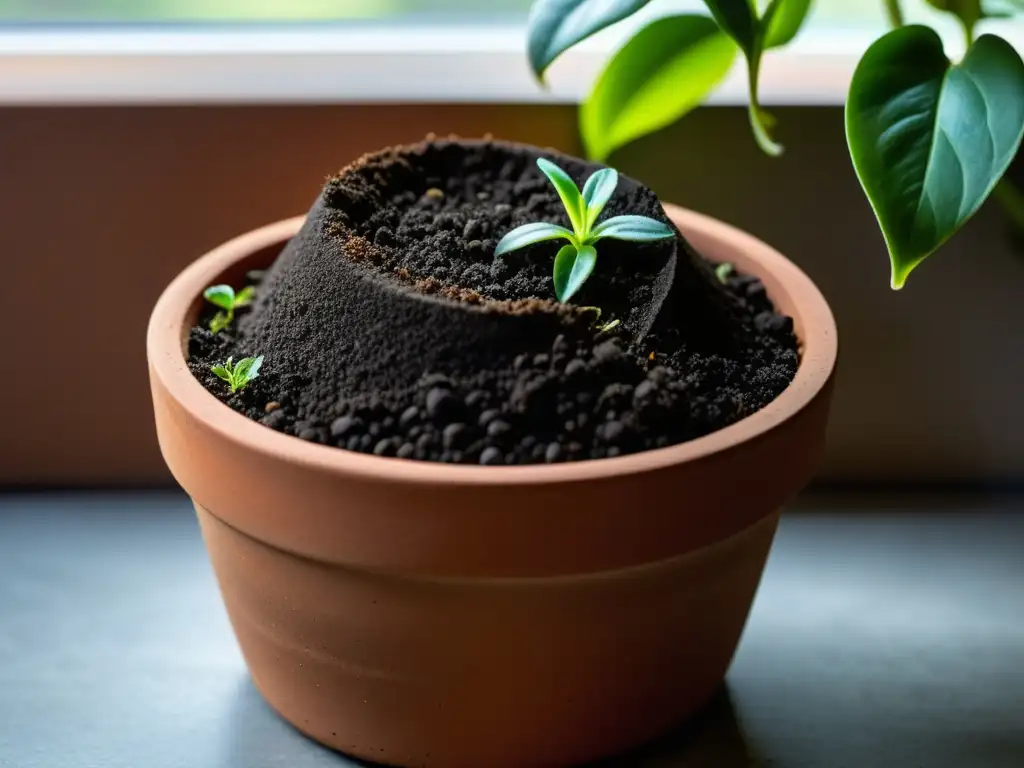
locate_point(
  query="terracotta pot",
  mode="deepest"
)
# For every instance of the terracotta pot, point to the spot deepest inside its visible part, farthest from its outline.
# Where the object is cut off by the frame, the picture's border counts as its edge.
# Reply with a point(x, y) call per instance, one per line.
point(420, 614)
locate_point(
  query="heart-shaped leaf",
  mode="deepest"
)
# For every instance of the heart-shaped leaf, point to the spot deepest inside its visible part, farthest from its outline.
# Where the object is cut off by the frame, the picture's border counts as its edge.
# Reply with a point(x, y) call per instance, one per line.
point(567, 191)
point(638, 229)
point(598, 191)
point(528, 234)
point(783, 20)
point(572, 268)
point(930, 140)
point(665, 70)
point(222, 296)
point(554, 26)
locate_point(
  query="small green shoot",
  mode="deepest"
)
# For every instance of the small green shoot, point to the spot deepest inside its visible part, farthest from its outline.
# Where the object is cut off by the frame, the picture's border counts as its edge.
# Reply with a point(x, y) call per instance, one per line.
point(723, 271)
point(610, 325)
point(575, 262)
point(224, 296)
point(239, 374)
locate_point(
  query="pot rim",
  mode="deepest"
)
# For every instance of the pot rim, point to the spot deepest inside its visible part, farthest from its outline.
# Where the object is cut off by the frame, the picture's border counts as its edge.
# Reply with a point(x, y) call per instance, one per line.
point(788, 287)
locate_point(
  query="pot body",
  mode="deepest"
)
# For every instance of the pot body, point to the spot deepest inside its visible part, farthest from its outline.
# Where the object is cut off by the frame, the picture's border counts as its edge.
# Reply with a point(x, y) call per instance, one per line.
point(423, 615)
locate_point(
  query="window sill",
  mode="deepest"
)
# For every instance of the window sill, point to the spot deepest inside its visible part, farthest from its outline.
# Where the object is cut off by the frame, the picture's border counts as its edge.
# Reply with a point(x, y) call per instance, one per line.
point(182, 65)
point(366, 65)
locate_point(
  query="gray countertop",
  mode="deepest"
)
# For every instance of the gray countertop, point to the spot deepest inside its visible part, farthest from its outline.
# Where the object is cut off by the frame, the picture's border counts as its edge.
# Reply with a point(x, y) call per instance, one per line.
point(881, 637)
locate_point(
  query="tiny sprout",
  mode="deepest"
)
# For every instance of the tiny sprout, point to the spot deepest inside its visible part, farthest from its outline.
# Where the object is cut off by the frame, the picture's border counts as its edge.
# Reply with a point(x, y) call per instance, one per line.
point(239, 374)
point(723, 271)
point(612, 324)
point(575, 262)
point(224, 296)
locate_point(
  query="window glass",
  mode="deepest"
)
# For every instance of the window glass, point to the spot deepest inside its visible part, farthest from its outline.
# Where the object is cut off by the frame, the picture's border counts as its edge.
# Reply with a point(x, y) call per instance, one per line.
point(832, 13)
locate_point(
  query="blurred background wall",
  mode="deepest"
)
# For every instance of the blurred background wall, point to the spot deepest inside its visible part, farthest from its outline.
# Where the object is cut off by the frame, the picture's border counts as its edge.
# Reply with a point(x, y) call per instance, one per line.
point(103, 206)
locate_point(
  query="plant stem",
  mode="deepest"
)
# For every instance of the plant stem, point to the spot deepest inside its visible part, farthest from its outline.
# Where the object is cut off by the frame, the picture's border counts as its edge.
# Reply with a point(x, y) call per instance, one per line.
point(895, 13)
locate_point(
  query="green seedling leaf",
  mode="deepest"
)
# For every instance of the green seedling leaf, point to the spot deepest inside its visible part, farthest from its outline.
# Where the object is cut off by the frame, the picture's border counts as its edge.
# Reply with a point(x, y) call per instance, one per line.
point(723, 270)
point(638, 229)
point(245, 296)
point(222, 296)
point(665, 70)
point(567, 191)
point(783, 21)
point(596, 193)
point(610, 325)
point(247, 370)
point(930, 140)
point(528, 234)
point(555, 26)
point(572, 268)
point(219, 322)
point(221, 372)
point(565, 259)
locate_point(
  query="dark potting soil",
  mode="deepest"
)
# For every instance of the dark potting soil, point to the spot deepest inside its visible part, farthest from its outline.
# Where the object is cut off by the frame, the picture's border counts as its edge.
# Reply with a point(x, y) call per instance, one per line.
point(378, 323)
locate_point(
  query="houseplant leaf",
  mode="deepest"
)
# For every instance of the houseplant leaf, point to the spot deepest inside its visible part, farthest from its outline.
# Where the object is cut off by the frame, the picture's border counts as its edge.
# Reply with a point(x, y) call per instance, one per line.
point(930, 140)
point(554, 26)
point(783, 21)
point(598, 191)
point(739, 20)
point(638, 229)
point(567, 191)
point(572, 268)
point(222, 296)
point(668, 68)
point(528, 234)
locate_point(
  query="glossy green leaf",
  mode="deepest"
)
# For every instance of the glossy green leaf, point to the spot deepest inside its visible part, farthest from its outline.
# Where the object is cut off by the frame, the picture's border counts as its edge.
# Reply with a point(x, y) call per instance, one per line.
point(221, 372)
point(222, 296)
point(572, 268)
point(528, 234)
point(554, 26)
point(738, 19)
point(638, 229)
point(245, 296)
point(597, 192)
point(783, 20)
point(930, 140)
point(567, 191)
point(665, 70)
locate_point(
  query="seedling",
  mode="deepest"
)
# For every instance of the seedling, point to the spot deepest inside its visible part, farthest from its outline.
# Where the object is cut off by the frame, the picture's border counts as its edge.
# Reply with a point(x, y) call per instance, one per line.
point(239, 374)
point(598, 325)
point(224, 296)
point(574, 263)
point(723, 271)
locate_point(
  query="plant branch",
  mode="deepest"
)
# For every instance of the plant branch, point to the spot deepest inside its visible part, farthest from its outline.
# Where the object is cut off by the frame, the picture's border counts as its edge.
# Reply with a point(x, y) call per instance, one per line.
point(895, 13)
